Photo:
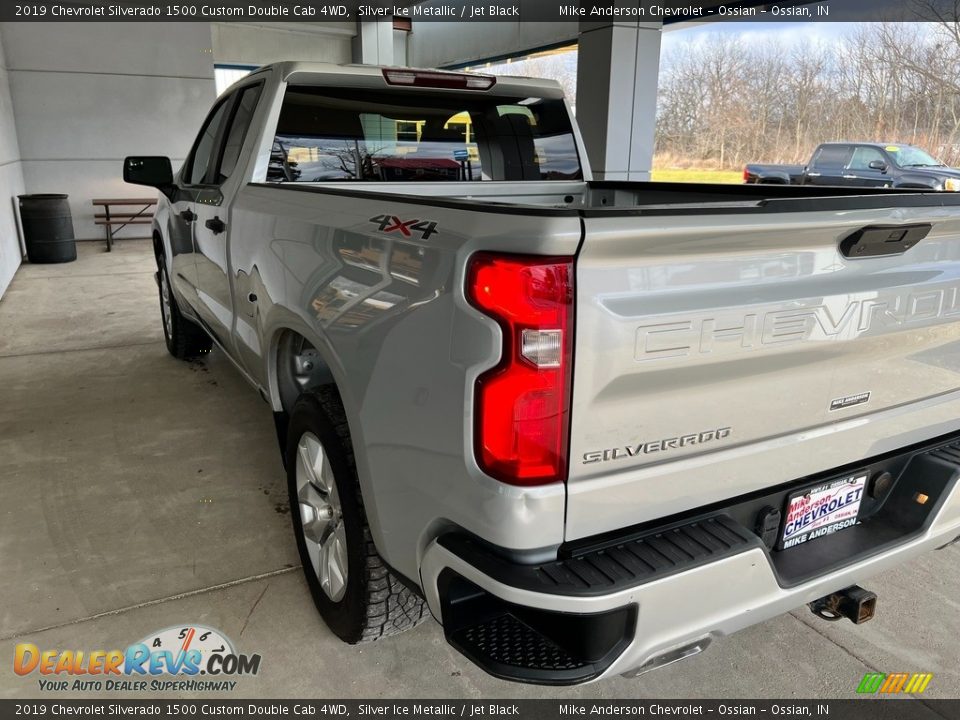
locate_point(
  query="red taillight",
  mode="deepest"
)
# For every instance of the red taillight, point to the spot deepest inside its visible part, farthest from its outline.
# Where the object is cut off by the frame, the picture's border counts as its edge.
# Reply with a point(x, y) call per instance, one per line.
point(523, 405)
point(746, 175)
point(438, 79)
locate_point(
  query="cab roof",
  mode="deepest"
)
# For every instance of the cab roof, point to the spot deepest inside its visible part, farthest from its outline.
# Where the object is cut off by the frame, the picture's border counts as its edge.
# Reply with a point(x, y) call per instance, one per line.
point(354, 75)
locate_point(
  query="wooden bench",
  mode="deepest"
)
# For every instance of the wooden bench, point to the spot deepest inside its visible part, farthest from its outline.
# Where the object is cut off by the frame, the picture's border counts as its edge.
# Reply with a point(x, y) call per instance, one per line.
point(114, 221)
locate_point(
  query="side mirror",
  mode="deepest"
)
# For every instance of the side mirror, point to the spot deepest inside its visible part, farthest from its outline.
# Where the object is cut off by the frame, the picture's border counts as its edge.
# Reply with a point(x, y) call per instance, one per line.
point(878, 165)
point(151, 170)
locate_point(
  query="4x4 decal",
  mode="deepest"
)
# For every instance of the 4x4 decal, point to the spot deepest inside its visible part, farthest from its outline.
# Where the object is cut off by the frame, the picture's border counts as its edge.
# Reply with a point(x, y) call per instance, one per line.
point(391, 223)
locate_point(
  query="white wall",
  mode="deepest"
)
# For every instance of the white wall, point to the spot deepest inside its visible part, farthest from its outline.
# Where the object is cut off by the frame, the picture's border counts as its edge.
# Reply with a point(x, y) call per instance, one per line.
point(401, 44)
point(263, 43)
point(437, 44)
point(11, 183)
point(85, 95)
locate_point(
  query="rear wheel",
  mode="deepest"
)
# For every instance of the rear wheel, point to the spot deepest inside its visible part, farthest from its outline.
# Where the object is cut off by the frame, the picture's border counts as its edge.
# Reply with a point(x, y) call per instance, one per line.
point(357, 595)
point(185, 340)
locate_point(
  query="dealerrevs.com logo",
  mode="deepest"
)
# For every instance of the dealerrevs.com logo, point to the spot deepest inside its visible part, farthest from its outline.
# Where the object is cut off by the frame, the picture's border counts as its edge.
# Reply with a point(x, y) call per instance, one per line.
point(181, 658)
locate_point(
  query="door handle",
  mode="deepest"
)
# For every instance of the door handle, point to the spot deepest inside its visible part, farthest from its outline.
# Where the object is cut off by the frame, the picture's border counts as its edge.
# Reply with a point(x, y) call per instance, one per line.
point(813, 174)
point(188, 216)
point(216, 225)
point(879, 240)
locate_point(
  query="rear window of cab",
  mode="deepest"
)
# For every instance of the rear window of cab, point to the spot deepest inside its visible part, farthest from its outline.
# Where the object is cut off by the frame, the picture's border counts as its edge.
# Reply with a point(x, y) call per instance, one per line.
point(341, 135)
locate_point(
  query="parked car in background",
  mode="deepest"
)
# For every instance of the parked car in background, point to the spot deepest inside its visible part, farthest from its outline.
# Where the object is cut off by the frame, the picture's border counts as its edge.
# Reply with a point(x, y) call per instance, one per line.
point(862, 164)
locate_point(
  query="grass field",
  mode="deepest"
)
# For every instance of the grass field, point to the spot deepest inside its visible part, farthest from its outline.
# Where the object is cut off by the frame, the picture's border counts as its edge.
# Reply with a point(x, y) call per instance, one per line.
point(697, 176)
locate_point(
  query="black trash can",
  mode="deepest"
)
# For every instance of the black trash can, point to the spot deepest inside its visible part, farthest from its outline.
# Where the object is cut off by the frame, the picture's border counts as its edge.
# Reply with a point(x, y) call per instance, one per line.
point(47, 228)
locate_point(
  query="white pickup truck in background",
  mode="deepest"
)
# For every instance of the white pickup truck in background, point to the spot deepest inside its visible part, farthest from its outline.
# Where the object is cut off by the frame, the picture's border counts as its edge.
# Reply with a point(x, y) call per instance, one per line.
point(590, 426)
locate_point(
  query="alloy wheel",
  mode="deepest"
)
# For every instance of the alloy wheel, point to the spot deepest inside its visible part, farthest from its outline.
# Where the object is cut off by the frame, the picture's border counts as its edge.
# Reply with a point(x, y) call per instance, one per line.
point(321, 516)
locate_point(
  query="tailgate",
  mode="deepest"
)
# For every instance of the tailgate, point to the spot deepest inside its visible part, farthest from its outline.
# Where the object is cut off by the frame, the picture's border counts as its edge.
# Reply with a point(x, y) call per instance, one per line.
point(721, 353)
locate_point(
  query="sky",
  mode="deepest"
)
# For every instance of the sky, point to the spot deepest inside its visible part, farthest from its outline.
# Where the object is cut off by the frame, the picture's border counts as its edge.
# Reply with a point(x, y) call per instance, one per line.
point(787, 33)
point(783, 33)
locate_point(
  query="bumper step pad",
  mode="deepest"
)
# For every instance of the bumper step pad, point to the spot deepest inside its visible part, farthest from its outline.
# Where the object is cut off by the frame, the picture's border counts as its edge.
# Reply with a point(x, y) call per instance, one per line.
point(527, 644)
point(509, 641)
point(627, 562)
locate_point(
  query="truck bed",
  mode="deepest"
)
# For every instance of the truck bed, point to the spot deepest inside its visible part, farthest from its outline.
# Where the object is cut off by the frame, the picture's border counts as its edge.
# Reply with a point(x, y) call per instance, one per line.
point(773, 174)
point(631, 197)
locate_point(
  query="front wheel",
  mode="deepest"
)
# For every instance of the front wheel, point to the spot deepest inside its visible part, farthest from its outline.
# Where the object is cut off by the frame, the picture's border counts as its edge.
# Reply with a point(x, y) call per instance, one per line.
point(184, 339)
point(357, 595)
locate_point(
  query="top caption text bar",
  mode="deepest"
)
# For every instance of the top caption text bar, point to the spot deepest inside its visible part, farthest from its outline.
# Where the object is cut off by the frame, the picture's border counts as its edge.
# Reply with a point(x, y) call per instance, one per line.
point(601, 11)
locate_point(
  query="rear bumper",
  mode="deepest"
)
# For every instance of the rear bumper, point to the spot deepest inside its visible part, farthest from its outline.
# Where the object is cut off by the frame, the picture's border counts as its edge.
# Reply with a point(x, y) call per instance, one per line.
point(676, 609)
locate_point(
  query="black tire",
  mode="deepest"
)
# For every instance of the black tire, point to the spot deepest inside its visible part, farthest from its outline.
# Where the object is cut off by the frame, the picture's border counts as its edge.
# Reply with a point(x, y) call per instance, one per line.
point(185, 339)
point(375, 602)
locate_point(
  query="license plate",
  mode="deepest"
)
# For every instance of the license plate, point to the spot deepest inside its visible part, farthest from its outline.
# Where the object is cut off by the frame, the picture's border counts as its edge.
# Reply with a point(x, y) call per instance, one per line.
point(822, 510)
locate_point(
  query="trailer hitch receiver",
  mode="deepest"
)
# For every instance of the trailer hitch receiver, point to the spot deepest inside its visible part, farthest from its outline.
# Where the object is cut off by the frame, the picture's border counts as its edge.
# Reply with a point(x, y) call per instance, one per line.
point(854, 603)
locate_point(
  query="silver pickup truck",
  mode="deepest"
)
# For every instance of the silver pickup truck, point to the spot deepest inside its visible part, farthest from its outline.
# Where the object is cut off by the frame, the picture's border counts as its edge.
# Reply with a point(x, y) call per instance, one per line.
point(590, 426)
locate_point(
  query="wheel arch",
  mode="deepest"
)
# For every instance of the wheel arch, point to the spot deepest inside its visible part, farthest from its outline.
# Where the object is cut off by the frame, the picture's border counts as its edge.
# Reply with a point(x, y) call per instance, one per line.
point(299, 365)
point(283, 339)
point(160, 245)
point(157, 243)
point(914, 184)
point(284, 332)
point(160, 250)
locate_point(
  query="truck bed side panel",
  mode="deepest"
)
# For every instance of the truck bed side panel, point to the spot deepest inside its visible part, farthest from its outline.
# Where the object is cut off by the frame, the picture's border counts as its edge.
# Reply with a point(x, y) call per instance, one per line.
point(387, 314)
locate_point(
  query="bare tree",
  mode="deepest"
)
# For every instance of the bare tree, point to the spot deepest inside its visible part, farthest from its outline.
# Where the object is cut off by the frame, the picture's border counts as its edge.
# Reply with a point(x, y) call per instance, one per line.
point(725, 102)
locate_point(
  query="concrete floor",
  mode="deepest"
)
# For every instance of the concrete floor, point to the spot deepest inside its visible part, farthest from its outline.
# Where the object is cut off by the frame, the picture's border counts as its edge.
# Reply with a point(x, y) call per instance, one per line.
point(140, 492)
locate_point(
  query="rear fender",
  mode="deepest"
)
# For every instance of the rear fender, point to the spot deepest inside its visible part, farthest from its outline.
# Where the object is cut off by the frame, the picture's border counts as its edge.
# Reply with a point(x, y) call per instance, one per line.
point(917, 182)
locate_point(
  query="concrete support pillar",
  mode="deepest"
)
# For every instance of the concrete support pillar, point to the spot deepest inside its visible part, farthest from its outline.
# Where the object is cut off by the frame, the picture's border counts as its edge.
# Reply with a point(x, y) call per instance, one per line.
point(373, 44)
point(617, 68)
